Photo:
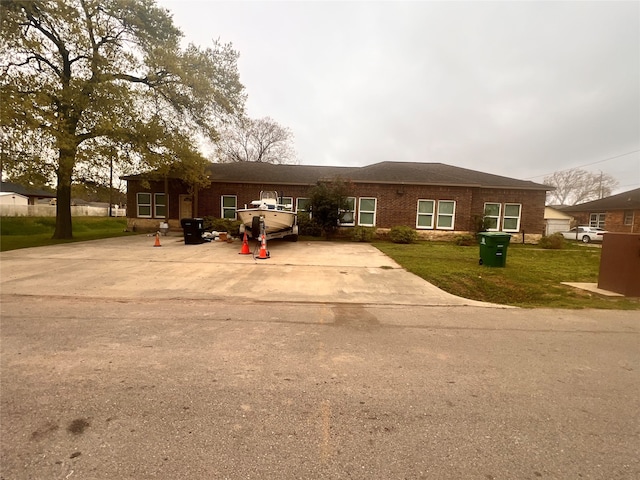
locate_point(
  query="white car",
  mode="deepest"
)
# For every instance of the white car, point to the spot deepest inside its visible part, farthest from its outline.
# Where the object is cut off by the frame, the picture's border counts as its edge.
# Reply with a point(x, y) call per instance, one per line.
point(585, 234)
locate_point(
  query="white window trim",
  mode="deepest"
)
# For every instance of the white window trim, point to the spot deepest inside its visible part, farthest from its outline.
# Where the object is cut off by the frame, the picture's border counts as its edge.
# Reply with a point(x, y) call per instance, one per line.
point(505, 217)
point(298, 204)
point(452, 215)
point(156, 204)
point(349, 224)
point(484, 215)
point(360, 211)
point(597, 222)
point(286, 202)
point(418, 214)
point(628, 214)
point(223, 208)
point(150, 204)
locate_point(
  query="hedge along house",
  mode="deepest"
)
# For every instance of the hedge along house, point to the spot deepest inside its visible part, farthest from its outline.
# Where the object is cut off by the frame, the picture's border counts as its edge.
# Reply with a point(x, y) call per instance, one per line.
point(436, 199)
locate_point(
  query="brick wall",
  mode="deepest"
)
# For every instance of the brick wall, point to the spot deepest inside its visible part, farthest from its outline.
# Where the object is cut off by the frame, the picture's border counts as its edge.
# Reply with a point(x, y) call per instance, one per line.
point(532, 201)
point(396, 204)
point(613, 220)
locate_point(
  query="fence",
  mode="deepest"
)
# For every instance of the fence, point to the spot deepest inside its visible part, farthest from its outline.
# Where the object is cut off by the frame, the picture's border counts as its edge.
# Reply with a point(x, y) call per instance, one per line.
point(50, 211)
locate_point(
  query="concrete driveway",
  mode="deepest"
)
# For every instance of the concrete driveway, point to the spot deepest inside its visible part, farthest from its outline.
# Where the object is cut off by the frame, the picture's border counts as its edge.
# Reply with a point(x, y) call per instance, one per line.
point(132, 267)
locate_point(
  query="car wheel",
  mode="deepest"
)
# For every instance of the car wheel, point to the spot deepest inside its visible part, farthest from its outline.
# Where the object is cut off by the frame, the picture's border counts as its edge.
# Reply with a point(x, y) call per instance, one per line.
point(586, 239)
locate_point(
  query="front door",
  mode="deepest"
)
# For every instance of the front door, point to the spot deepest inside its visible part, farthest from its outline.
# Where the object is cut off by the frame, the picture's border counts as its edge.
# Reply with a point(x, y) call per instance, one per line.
point(186, 206)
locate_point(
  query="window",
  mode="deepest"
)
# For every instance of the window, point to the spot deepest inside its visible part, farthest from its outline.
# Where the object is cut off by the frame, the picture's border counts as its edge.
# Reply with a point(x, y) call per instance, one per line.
point(446, 214)
point(286, 203)
point(367, 212)
point(425, 214)
point(229, 206)
point(348, 215)
point(492, 216)
point(596, 220)
point(144, 205)
point(628, 217)
point(302, 205)
point(511, 221)
point(160, 205)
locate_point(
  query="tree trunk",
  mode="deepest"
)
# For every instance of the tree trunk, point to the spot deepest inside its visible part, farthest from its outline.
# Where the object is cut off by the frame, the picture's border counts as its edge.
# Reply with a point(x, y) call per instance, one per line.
point(64, 230)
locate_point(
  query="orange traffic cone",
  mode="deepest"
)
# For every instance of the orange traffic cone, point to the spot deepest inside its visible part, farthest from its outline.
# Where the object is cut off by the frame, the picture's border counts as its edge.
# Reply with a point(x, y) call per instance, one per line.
point(157, 244)
point(245, 246)
point(264, 254)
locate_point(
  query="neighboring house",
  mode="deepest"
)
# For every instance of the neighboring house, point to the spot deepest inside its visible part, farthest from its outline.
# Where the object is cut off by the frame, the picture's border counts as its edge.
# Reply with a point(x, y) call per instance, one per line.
point(556, 221)
point(12, 198)
point(33, 194)
point(433, 198)
point(617, 213)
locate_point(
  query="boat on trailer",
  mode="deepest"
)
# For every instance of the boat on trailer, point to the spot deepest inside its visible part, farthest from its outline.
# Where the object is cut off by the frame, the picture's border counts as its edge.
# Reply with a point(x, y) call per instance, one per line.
point(268, 215)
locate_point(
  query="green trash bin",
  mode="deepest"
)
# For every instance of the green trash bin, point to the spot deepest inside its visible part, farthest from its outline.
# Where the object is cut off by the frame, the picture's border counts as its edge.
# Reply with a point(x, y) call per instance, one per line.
point(493, 248)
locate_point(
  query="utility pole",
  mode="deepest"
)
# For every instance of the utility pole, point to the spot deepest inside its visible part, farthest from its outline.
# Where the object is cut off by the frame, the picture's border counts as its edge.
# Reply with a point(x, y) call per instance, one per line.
point(111, 184)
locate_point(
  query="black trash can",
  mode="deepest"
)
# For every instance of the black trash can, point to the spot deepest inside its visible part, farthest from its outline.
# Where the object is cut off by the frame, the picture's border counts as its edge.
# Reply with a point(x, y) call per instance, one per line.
point(493, 248)
point(193, 229)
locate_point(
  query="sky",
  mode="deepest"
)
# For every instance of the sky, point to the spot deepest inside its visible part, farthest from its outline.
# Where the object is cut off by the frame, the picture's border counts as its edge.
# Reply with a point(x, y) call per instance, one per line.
point(520, 89)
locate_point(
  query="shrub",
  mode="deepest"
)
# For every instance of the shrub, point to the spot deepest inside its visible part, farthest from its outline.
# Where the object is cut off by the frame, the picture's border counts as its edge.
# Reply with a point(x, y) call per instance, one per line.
point(552, 242)
point(465, 240)
point(328, 203)
point(363, 234)
point(307, 226)
point(403, 234)
point(232, 227)
point(480, 224)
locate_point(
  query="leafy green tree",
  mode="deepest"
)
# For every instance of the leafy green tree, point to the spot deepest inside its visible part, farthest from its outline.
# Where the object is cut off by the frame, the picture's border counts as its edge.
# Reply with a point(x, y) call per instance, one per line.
point(89, 76)
point(328, 201)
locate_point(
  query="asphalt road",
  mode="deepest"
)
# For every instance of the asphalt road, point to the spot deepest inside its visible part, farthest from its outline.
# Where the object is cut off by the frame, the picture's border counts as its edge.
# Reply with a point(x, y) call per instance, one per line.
point(112, 382)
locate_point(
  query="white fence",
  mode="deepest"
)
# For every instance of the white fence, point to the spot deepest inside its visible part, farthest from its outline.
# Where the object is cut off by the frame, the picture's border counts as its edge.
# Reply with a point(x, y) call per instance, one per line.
point(50, 211)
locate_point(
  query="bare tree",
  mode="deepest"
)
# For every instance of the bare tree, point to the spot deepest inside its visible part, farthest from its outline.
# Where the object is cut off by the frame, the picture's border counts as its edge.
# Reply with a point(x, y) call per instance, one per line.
point(578, 186)
point(262, 140)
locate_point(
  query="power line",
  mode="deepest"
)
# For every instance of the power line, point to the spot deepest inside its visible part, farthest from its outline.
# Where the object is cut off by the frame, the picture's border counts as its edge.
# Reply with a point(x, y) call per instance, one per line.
point(586, 164)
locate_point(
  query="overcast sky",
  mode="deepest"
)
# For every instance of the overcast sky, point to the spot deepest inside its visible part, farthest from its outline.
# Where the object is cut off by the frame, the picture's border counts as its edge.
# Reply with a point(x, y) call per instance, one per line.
point(512, 88)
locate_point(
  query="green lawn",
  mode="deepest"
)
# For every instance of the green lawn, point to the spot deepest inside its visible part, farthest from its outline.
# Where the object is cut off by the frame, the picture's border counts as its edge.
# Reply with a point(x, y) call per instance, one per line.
point(531, 278)
point(23, 232)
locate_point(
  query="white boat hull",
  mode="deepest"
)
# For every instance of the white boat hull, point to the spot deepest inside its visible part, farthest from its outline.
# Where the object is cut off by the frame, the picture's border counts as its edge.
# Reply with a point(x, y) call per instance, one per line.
point(274, 220)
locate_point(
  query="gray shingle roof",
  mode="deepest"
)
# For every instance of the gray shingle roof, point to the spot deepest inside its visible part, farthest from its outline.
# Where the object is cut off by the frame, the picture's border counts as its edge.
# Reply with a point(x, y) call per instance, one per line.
point(384, 172)
point(252, 172)
point(27, 191)
point(629, 200)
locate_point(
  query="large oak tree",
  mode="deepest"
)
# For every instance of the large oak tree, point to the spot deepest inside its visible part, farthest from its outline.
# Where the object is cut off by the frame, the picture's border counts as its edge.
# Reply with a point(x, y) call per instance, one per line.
point(86, 77)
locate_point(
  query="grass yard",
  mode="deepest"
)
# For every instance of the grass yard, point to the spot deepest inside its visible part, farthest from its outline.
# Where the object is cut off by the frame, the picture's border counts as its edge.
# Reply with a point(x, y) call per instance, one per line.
point(531, 278)
point(23, 232)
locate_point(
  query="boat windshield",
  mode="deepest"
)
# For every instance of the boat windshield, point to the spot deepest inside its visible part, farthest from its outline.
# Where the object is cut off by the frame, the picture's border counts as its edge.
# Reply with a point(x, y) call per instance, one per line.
point(269, 196)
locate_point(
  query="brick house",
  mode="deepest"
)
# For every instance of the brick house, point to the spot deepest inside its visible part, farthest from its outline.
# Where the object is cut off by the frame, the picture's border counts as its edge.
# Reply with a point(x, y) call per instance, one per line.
point(618, 213)
point(436, 199)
